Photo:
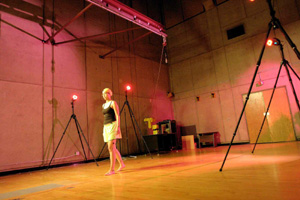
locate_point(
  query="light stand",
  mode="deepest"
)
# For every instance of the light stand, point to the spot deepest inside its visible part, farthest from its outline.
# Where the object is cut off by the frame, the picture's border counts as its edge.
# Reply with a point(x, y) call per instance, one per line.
point(126, 134)
point(79, 131)
point(274, 23)
point(134, 123)
point(286, 65)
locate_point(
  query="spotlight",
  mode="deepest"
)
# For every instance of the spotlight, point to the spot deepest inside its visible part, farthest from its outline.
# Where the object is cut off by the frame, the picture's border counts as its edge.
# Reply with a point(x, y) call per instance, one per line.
point(74, 97)
point(128, 88)
point(273, 41)
point(270, 42)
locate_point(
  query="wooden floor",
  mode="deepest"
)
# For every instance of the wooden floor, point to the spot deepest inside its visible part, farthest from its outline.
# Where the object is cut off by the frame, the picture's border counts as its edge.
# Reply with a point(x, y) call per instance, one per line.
point(272, 172)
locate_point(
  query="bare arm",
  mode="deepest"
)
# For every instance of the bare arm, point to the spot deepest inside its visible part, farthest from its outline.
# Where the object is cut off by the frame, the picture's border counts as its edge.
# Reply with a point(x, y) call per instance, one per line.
point(117, 114)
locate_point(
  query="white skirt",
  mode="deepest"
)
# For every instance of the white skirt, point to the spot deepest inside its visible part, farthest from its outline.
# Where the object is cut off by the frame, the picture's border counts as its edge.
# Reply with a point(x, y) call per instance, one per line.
point(111, 131)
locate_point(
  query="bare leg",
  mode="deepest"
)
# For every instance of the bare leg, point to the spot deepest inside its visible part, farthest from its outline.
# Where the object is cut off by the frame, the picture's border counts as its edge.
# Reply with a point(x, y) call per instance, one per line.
point(119, 158)
point(112, 156)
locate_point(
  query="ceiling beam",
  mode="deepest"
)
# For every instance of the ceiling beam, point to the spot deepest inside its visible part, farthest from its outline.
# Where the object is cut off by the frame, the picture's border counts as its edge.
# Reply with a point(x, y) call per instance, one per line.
point(98, 35)
point(131, 15)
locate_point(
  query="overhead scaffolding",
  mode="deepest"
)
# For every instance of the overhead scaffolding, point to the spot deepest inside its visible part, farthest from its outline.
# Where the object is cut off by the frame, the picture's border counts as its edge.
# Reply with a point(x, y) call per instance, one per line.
point(121, 10)
point(130, 14)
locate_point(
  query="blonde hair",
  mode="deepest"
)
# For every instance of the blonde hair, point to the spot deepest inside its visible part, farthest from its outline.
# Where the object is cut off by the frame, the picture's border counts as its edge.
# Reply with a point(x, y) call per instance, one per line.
point(107, 90)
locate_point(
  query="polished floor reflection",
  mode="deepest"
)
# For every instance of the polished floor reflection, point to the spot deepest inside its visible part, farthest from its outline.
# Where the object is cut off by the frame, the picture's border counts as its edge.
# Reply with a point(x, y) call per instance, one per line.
point(272, 172)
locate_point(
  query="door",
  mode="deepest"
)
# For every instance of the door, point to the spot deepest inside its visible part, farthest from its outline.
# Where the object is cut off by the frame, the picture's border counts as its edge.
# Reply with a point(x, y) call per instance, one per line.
point(278, 126)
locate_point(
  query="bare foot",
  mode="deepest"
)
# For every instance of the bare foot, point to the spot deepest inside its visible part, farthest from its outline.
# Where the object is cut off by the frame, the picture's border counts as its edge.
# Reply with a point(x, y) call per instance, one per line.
point(121, 167)
point(110, 173)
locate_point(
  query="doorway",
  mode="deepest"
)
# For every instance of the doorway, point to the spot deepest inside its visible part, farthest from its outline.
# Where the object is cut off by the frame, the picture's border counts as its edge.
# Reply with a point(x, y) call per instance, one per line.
point(278, 126)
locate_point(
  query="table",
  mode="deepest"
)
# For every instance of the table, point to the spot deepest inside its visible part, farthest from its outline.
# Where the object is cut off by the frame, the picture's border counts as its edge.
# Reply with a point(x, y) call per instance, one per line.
point(208, 137)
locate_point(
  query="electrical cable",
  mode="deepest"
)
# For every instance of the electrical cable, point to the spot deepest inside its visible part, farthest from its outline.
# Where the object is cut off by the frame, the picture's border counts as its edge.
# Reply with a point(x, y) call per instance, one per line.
point(160, 65)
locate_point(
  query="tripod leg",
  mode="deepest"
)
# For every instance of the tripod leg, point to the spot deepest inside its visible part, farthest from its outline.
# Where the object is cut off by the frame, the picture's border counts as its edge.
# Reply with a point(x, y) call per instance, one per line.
point(60, 141)
point(249, 92)
point(101, 150)
point(291, 82)
point(127, 141)
point(133, 124)
point(278, 24)
point(122, 107)
point(268, 106)
point(132, 116)
point(293, 70)
point(77, 123)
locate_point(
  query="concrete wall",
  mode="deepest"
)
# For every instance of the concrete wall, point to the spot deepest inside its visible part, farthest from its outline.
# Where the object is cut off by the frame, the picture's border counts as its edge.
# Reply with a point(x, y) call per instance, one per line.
point(204, 61)
point(37, 82)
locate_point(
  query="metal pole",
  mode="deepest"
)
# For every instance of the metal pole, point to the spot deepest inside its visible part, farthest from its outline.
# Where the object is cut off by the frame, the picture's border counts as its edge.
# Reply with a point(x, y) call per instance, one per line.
point(67, 24)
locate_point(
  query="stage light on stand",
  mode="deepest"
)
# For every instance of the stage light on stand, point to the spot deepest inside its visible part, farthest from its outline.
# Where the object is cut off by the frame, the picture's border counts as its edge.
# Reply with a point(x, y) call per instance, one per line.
point(273, 41)
point(80, 134)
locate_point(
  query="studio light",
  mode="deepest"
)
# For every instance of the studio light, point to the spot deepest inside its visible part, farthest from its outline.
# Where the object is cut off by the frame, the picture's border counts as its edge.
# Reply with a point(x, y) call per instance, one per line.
point(273, 41)
point(79, 131)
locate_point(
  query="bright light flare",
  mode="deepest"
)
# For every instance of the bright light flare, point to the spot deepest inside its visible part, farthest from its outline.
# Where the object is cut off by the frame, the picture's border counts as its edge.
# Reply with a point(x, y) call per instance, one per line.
point(270, 42)
point(128, 87)
point(273, 41)
point(74, 97)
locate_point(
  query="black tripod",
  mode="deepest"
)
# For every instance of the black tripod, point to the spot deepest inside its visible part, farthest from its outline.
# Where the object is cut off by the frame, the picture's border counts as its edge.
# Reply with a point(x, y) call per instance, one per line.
point(274, 23)
point(134, 123)
point(79, 131)
point(286, 64)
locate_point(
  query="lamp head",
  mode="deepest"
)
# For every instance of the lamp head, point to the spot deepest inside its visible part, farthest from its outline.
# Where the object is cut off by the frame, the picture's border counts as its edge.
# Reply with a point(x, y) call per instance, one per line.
point(274, 41)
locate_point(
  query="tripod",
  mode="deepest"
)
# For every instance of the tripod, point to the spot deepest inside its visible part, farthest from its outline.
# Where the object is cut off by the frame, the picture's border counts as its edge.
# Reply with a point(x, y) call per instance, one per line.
point(79, 131)
point(134, 123)
point(274, 23)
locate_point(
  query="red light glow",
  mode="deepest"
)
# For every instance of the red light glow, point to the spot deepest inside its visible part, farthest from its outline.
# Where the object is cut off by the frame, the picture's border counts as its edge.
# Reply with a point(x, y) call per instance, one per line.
point(252, 0)
point(74, 97)
point(128, 87)
point(270, 42)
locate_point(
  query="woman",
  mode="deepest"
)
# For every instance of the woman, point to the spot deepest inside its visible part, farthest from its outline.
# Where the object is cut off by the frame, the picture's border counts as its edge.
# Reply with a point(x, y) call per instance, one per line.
point(111, 130)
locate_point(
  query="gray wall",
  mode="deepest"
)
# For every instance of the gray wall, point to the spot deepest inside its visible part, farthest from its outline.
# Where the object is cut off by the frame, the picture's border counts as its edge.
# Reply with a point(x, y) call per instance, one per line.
point(37, 81)
point(204, 61)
